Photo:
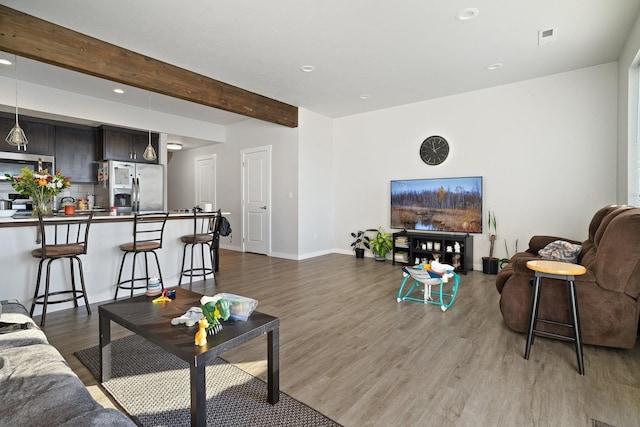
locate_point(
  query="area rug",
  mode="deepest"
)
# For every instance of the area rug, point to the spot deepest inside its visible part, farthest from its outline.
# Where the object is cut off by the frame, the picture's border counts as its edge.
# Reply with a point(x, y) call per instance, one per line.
point(152, 386)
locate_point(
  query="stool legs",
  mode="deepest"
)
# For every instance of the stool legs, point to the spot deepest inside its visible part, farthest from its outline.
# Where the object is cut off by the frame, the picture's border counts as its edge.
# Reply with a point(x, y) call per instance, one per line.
point(75, 293)
point(203, 271)
point(121, 284)
point(534, 317)
point(574, 325)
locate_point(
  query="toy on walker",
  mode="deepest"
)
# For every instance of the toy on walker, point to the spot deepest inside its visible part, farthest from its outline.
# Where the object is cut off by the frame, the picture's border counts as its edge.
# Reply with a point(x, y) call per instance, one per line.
point(429, 275)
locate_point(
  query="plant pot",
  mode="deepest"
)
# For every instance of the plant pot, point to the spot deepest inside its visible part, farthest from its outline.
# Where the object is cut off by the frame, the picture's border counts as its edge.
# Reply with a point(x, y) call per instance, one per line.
point(359, 253)
point(490, 265)
point(378, 257)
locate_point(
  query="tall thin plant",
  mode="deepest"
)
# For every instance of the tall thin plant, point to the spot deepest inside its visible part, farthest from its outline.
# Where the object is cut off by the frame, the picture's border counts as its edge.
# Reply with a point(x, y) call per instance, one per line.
point(493, 231)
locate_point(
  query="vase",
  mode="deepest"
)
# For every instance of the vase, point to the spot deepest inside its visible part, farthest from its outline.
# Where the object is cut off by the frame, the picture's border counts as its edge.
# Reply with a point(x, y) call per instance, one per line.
point(42, 204)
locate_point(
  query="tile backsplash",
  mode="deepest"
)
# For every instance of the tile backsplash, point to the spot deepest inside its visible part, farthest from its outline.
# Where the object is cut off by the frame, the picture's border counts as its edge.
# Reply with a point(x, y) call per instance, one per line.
point(77, 191)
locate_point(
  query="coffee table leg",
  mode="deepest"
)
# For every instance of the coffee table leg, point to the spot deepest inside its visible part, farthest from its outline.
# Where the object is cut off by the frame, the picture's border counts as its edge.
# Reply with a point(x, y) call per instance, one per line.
point(105, 348)
point(273, 366)
point(198, 394)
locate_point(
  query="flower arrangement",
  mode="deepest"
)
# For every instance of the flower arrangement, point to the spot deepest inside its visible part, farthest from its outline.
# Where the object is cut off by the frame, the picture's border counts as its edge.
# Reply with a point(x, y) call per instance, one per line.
point(41, 186)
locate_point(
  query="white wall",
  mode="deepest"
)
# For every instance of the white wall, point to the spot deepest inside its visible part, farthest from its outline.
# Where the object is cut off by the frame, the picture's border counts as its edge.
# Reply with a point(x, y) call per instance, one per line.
point(628, 147)
point(246, 134)
point(315, 185)
point(545, 147)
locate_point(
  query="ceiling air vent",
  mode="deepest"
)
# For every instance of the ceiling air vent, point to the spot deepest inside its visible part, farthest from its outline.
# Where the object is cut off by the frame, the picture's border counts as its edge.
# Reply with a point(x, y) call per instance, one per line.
point(547, 36)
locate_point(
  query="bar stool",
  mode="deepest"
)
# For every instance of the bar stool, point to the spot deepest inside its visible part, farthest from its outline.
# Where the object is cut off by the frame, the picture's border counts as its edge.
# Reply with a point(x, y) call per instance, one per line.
point(562, 271)
point(148, 231)
point(61, 238)
point(206, 232)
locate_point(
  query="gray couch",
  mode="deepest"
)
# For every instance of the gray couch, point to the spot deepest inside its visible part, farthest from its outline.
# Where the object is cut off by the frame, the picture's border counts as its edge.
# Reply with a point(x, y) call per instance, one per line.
point(37, 387)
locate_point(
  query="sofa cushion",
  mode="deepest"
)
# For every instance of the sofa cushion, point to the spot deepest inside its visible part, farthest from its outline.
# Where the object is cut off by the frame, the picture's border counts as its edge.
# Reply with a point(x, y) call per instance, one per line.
point(38, 386)
point(561, 250)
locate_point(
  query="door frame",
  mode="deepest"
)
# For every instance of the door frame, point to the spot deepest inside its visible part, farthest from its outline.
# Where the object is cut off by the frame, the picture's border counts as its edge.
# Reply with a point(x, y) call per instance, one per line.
point(243, 155)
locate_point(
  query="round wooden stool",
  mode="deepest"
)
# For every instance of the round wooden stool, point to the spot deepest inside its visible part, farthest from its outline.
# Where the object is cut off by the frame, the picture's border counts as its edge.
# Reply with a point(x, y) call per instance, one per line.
point(561, 271)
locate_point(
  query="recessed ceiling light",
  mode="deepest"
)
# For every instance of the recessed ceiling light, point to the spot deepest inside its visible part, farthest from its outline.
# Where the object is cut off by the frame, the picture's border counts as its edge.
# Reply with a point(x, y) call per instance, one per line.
point(5, 62)
point(365, 96)
point(495, 66)
point(467, 14)
point(308, 68)
point(174, 146)
point(118, 91)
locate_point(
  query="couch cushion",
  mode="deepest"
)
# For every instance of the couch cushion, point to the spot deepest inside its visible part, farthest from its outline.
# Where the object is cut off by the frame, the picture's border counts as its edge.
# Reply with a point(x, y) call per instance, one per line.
point(38, 386)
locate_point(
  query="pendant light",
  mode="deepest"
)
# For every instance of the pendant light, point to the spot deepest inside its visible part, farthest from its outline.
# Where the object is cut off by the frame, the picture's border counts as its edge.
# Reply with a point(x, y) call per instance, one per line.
point(149, 152)
point(16, 136)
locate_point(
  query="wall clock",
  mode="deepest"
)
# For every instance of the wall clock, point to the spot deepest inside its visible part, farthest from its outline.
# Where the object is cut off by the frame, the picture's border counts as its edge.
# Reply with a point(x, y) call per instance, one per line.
point(434, 150)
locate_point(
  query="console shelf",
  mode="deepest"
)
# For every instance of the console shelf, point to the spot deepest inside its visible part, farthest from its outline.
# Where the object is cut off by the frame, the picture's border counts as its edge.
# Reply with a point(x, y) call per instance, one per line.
point(414, 247)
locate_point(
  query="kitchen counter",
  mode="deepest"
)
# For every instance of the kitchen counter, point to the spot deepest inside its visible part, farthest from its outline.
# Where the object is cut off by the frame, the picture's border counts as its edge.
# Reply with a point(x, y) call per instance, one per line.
point(98, 217)
point(101, 263)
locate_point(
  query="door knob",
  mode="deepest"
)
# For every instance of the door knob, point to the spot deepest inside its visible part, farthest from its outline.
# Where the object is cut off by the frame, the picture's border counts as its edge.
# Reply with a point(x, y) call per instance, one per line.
point(262, 207)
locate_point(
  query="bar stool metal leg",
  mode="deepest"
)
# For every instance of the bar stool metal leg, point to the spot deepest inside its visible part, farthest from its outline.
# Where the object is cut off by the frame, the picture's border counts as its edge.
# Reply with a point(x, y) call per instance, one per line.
point(573, 301)
point(534, 317)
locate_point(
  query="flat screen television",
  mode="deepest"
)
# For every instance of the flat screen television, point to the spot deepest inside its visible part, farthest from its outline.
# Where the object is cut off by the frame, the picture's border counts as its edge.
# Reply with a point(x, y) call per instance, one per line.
point(437, 204)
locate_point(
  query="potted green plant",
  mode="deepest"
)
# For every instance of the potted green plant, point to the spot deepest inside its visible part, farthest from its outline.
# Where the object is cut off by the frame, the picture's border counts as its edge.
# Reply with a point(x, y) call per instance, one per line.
point(360, 242)
point(490, 263)
point(381, 244)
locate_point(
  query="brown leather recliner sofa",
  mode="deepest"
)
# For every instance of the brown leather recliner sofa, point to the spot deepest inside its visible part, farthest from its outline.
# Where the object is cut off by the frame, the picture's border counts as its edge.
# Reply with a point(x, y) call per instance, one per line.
point(608, 294)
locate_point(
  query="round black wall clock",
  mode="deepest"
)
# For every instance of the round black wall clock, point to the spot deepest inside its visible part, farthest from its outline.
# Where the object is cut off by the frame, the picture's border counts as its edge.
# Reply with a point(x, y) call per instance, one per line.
point(434, 150)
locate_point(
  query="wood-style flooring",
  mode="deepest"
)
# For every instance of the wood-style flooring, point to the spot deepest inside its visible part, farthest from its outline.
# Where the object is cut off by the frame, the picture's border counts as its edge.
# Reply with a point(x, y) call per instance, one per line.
point(349, 350)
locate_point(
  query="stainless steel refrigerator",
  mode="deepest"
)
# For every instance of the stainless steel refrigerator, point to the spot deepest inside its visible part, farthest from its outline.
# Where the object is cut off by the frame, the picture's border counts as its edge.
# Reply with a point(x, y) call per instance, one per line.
point(132, 187)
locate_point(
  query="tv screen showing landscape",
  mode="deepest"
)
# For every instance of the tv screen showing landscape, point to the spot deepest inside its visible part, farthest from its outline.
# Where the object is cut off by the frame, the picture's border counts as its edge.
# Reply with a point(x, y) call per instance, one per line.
point(437, 204)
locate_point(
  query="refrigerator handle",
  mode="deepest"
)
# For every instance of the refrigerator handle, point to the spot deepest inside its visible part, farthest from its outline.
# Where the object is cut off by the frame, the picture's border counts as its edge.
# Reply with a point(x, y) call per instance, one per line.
point(137, 194)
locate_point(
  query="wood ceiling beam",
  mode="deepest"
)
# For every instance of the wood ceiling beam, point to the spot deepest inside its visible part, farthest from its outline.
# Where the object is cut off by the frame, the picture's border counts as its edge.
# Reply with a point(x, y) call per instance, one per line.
point(43, 41)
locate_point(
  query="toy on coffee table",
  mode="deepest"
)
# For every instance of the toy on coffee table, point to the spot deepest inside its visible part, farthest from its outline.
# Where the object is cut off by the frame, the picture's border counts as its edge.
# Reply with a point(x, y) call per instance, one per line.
point(214, 308)
point(426, 276)
point(201, 335)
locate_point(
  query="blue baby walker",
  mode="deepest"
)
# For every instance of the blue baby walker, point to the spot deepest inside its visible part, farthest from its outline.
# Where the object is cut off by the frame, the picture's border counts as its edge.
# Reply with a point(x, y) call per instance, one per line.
point(424, 280)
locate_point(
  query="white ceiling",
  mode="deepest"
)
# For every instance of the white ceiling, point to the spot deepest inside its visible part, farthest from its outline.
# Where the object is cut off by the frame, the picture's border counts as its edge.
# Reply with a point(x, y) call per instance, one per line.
point(397, 52)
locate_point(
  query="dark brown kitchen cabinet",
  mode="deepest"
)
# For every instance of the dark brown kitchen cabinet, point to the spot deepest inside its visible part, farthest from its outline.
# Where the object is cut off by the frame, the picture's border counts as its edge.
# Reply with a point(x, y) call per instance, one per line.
point(125, 144)
point(40, 134)
point(76, 153)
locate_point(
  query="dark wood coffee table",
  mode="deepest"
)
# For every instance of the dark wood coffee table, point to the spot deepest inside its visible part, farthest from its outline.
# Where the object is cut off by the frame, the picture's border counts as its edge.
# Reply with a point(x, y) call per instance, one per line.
point(153, 322)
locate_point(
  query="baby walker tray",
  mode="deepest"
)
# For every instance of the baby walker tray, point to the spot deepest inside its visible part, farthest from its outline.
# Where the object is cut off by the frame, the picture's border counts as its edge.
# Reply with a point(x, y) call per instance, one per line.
point(429, 287)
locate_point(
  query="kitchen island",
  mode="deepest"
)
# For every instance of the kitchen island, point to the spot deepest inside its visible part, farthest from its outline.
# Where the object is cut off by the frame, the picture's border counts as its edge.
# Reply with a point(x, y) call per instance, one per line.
point(101, 263)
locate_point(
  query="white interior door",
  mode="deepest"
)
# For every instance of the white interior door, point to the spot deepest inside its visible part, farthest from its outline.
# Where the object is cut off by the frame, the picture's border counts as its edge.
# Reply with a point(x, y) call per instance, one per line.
point(256, 200)
point(205, 177)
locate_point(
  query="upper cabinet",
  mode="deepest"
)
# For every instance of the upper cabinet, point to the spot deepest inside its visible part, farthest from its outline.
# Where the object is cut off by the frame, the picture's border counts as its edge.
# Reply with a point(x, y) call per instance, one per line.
point(40, 134)
point(76, 153)
point(125, 144)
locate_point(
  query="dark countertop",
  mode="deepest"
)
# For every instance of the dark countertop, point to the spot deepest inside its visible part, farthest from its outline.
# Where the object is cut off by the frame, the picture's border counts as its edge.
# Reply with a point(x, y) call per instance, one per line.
point(98, 217)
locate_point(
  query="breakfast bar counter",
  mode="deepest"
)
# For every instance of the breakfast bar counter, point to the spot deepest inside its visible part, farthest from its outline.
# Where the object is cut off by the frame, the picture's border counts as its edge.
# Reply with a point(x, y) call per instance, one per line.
point(101, 263)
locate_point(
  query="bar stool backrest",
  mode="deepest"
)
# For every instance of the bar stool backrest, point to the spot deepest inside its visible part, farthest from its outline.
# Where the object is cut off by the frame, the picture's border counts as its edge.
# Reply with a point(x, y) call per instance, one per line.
point(63, 232)
point(149, 228)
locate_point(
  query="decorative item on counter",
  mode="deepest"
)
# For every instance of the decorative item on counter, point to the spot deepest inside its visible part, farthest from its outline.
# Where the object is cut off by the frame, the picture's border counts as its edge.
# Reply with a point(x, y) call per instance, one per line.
point(90, 201)
point(41, 186)
point(113, 211)
point(201, 335)
point(214, 308)
point(82, 204)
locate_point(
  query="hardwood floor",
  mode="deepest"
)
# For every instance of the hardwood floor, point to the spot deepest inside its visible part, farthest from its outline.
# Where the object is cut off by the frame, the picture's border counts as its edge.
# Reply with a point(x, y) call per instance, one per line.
point(349, 350)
